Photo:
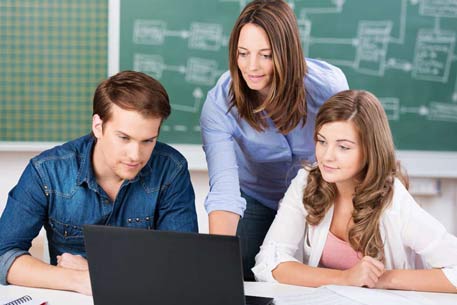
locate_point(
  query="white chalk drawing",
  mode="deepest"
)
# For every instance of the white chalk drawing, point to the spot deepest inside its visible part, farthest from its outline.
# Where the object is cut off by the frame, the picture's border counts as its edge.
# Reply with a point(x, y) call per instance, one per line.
point(432, 59)
point(205, 36)
point(149, 63)
point(392, 107)
point(438, 8)
point(373, 37)
point(197, 95)
point(433, 55)
point(443, 112)
point(149, 32)
point(201, 71)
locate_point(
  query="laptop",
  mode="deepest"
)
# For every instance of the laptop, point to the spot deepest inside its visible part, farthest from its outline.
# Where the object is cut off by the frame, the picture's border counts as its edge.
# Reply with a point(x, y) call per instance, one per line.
point(139, 267)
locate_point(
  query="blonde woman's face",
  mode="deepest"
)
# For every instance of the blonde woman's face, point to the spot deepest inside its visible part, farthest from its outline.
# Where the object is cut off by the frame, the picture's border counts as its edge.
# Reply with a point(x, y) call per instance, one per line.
point(339, 153)
point(255, 59)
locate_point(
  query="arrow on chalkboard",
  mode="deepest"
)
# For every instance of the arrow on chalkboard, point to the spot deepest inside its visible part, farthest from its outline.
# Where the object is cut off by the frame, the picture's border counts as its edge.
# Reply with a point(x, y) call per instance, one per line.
point(198, 95)
point(421, 110)
point(399, 64)
point(182, 34)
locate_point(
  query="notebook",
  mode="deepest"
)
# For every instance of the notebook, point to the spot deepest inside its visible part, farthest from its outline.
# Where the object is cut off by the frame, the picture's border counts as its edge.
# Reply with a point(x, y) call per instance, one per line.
point(25, 300)
point(137, 266)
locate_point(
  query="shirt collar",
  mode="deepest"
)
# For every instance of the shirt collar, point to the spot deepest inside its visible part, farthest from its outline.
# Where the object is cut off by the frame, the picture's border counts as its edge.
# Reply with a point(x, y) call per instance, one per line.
point(86, 172)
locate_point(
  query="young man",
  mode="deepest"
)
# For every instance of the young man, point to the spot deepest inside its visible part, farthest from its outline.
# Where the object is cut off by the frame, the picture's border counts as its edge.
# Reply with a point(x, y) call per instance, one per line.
point(119, 175)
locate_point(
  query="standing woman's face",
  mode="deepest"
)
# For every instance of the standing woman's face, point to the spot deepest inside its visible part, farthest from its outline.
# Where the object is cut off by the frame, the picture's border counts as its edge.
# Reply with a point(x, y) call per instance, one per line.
point(255, 59)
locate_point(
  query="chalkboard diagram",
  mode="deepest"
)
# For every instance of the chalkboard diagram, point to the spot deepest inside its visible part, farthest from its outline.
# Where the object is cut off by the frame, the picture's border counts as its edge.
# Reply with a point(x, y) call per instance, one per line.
point(432, 55)
point(401, 50)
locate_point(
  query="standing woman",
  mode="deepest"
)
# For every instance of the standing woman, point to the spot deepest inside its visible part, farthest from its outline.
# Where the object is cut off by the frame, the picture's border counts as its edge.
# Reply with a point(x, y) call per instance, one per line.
point(258, 122)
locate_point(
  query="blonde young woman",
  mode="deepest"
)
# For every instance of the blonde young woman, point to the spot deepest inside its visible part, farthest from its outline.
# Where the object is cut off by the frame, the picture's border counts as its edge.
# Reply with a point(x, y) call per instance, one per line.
point(257, 122)
point(350, 220)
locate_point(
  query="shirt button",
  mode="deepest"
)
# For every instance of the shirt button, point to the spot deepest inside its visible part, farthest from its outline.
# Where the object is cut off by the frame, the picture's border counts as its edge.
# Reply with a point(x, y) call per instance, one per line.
point(147, 218)
point(129, 220)
point(137, 220)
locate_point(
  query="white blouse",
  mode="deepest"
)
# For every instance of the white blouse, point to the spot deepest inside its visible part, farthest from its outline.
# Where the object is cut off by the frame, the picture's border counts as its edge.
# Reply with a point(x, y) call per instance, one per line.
point(413, 239)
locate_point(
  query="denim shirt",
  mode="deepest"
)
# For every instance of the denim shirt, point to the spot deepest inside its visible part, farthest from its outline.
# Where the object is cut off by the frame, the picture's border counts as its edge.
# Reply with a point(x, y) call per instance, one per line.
point(58, 190)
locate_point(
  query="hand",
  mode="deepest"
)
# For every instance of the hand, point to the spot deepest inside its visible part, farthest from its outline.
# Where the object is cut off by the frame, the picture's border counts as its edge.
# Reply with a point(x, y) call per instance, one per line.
point(82, 284)
point(70, 261)
point(365, 273)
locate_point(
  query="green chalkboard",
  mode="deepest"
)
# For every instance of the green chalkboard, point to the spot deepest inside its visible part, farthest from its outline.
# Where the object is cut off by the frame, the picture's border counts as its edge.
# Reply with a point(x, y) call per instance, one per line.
point(52, 55)
point(401, 50)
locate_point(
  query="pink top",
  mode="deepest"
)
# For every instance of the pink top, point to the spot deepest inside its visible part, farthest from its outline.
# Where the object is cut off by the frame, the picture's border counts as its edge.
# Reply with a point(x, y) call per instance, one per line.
point(338, 254)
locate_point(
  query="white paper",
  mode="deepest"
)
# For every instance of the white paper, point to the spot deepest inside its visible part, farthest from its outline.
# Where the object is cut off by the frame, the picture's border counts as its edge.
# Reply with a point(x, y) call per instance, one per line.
point(347, 295)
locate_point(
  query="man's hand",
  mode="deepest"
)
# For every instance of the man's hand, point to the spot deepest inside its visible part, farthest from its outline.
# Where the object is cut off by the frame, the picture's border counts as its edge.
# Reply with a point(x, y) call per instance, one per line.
point(70, 261)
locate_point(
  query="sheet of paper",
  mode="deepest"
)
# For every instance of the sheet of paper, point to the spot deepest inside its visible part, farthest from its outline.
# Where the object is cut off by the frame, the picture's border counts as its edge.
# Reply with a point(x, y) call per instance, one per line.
point(346, 295)
point(376, 296)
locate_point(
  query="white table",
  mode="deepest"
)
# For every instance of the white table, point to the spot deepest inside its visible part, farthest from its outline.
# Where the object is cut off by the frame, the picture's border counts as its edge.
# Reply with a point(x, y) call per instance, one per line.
point(277, 290)
point(55, 297)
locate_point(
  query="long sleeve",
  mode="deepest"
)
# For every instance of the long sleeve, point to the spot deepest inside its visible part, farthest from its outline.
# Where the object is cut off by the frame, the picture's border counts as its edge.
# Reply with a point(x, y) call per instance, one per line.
point(284, 240)
point(22, 219)
point(217, 130)
point(426, 236)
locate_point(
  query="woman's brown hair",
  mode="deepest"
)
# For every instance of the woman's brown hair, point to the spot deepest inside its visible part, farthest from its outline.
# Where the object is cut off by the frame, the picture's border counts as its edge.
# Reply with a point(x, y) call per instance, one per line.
point(285, 103)
point(374, 190)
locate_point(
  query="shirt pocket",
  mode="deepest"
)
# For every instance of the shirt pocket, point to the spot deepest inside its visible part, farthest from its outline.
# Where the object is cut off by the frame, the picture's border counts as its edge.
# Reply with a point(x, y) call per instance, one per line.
point(140, 222)
point(66, 235)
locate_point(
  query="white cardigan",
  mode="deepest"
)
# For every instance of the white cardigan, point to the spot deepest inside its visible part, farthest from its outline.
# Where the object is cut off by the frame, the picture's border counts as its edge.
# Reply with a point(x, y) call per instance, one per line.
point(413, 239)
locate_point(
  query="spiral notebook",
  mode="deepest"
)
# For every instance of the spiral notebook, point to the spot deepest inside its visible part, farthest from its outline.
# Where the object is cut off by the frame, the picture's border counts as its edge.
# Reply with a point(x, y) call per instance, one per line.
point(25, 300)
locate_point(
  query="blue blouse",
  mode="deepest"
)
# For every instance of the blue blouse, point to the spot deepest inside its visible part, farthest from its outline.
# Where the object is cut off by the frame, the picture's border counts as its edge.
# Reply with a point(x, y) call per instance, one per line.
point(261, 164)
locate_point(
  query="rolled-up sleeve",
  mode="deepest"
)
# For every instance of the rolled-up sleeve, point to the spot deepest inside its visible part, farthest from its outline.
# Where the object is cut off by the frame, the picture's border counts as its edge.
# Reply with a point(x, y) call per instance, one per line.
point(217, 135)
point(21, 220)
point(284, 240)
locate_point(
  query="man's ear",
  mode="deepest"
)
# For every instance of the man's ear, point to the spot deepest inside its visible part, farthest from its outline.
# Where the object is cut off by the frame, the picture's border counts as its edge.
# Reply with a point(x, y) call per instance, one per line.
point(97, 126)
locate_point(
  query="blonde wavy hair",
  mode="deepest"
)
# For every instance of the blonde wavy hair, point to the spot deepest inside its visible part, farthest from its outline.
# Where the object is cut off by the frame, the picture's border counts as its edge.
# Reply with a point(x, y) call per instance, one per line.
point(374, 190)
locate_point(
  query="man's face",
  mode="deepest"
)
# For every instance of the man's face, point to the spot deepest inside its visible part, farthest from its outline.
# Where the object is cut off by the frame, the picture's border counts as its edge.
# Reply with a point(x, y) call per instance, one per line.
point(124, 143)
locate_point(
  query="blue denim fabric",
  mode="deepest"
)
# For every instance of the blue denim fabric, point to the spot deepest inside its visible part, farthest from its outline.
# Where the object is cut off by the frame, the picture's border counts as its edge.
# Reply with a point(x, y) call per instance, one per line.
point(58, 190)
